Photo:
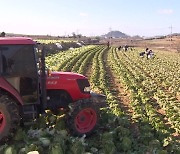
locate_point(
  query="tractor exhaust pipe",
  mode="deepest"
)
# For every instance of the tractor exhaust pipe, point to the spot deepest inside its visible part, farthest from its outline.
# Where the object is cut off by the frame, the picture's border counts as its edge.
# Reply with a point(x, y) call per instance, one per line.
point(43, 78)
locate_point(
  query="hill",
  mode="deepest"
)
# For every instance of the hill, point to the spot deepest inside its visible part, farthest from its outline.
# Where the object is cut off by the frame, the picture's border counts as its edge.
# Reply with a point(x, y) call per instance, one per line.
point(116, 34)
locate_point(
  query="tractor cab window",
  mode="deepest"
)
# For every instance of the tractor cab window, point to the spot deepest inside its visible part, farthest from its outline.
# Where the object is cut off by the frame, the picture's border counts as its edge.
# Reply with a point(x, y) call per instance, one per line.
point(20, 70)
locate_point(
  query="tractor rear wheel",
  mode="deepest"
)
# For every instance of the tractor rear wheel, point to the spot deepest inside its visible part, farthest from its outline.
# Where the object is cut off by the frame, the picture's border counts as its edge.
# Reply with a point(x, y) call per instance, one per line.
point(9, 117)
point(83, 117)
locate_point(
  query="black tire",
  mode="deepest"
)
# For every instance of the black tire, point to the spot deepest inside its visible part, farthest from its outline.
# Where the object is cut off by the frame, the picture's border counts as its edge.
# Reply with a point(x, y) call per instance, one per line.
point(83, 112)
point(9, 117)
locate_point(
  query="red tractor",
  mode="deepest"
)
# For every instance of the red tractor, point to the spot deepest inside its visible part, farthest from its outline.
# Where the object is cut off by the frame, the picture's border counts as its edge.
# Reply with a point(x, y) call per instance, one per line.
point(27, 90)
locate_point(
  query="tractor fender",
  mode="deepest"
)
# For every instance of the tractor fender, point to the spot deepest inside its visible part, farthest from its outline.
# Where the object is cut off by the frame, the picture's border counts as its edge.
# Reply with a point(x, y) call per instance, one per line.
point(98, 99)
point(12, 91)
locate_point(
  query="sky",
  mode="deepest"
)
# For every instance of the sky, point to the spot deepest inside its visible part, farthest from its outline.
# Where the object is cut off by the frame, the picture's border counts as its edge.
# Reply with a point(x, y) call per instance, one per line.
point(90, 17)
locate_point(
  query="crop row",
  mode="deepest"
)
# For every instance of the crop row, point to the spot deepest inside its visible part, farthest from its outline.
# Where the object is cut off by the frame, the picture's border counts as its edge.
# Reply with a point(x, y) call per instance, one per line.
point(164, 68)
point(116, 132)
point(141, 88)
point(58, 61)
point(165, 99)
point(81, 65)
point(99, 80)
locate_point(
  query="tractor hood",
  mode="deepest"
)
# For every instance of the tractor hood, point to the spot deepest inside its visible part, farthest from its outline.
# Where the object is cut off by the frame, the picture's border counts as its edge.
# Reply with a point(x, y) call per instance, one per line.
point(61, 80)
point(76, 85)
point(66, 75)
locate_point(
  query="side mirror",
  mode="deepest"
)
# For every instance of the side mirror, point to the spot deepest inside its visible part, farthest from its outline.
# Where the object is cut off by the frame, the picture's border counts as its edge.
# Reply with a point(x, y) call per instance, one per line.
point(48, 72)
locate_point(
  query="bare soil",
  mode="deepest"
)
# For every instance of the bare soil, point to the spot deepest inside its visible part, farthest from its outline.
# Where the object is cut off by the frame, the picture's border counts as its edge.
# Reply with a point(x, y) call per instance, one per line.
point(88, 71)
point(122, 96)
point(165, 44)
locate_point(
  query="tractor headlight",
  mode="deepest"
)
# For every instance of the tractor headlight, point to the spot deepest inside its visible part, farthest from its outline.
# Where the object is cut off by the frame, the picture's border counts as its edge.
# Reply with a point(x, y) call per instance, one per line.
point(87, 89)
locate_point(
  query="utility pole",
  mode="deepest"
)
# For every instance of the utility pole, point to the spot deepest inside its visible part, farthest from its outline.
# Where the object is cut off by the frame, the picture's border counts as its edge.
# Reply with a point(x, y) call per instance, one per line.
point(171, 35)
point(171, 31)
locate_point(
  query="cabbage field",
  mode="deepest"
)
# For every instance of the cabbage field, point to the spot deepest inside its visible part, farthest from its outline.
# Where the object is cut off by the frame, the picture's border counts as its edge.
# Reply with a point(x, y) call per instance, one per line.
point(142, 114)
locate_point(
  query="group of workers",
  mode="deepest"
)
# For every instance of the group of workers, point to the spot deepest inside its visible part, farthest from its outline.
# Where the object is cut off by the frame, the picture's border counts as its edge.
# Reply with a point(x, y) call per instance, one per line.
point(125, 48)
point(148, 53)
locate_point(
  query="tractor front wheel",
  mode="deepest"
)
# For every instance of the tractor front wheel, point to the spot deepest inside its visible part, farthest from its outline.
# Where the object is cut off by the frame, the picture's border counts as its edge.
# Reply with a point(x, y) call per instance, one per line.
point(83, 117)
point(9, 117)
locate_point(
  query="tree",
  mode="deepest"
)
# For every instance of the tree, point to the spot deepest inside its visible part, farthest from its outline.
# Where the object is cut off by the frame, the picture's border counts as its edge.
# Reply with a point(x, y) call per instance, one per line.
point(3, 34)
point(74, 35)
point(79, 35)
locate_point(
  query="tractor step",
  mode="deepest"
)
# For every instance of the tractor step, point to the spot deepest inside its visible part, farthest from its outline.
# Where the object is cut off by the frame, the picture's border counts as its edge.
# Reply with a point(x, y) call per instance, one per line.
point(29, 112)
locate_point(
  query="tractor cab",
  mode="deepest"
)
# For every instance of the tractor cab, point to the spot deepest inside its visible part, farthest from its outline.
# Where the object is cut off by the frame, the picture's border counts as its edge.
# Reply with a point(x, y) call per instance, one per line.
point(18, 67)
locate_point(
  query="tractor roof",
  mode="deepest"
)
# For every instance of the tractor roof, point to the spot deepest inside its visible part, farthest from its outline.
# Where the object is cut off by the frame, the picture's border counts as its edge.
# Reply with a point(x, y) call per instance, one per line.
point(16, 40)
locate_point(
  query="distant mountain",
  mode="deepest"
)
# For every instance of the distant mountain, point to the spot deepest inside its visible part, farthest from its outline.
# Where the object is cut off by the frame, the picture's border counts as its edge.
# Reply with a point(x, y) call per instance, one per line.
point(136, 37)
point(116, 34)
